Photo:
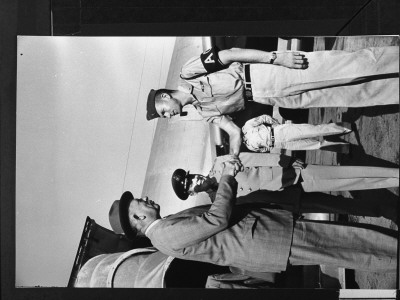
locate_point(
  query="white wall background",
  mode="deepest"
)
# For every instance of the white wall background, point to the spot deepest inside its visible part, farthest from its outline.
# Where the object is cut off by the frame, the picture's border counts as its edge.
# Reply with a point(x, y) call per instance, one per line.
point(82, 138)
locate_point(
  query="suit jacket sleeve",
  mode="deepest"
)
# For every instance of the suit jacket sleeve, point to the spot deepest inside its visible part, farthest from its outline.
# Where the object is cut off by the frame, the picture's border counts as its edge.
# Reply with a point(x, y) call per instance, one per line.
point(180, 231)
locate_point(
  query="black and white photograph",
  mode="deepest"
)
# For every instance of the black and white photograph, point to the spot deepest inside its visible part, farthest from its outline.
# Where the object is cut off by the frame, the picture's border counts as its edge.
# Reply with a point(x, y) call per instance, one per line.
point(209, 153)
point(230, 162)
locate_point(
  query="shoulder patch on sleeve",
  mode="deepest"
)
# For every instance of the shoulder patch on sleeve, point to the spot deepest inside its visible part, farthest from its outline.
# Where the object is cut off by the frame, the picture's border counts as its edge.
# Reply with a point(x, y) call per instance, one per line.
point(210, 60)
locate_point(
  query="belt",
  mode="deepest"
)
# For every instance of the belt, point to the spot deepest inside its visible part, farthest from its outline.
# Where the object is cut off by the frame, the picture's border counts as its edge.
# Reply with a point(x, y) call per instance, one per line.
point(247, 82)
point(272, 138)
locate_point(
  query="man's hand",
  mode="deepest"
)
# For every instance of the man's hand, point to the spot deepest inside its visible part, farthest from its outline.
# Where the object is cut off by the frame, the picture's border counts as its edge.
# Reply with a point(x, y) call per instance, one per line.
point(236, 160)
point(232, 166)
point(298, 164)
point(292, 60)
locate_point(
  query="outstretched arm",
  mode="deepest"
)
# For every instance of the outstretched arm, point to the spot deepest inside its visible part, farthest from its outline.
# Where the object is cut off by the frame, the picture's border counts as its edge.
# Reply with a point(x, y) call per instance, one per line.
point(234, 132)
point(184, 231)
point(293, 60)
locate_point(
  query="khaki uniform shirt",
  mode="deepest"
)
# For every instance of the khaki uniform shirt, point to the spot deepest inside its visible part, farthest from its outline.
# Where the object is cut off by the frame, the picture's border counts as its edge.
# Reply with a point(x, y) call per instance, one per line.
point(262, 171)
point(217, 94)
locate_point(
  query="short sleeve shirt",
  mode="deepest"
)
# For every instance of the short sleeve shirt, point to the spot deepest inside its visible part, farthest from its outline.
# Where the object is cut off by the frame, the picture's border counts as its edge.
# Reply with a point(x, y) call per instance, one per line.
point(218, 93)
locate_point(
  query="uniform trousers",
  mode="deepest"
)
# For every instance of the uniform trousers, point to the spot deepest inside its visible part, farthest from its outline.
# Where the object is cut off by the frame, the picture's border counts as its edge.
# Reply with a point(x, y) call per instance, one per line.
point(316, 178)
point(367, 77)
point(318, 202)
point(359, 246)
point(299, 136)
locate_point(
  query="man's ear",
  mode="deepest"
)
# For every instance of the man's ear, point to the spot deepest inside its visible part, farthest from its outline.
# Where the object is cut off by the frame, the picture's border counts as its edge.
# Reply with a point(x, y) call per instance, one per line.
point(165, 96)
point(139, 218)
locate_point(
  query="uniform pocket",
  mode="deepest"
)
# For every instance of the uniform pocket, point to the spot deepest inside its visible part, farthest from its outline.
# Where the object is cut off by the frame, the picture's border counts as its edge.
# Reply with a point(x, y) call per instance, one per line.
point(206, 87)
point(265, 173)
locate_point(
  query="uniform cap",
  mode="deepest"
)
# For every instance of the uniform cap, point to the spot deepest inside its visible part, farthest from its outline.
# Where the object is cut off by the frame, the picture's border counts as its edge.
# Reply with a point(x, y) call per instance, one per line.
point(151, 106)
point(179, 183)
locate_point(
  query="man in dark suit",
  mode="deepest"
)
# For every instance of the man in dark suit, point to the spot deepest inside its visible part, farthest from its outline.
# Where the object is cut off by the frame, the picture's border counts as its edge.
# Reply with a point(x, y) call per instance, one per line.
point(254, 237)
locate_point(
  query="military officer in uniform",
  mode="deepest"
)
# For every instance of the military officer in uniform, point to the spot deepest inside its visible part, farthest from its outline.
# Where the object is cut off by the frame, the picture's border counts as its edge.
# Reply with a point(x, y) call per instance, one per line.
point(218, 83)
point(264, 172)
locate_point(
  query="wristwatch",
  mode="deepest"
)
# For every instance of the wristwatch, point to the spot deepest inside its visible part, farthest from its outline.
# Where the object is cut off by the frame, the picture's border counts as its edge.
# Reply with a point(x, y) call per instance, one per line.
point(273, 57)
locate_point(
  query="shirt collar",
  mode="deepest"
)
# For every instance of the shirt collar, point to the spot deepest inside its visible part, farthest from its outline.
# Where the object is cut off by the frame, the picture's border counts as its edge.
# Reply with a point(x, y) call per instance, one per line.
point(151, 225)
point(188, 89)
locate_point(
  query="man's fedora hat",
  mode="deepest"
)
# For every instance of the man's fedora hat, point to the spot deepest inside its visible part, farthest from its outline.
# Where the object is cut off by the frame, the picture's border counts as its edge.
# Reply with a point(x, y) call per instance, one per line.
point(151, 106)
point(180, 184)
point(119, 216)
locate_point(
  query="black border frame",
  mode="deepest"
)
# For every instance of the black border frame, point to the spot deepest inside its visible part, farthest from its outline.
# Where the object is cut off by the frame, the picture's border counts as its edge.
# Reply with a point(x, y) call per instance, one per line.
point(29, 17)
